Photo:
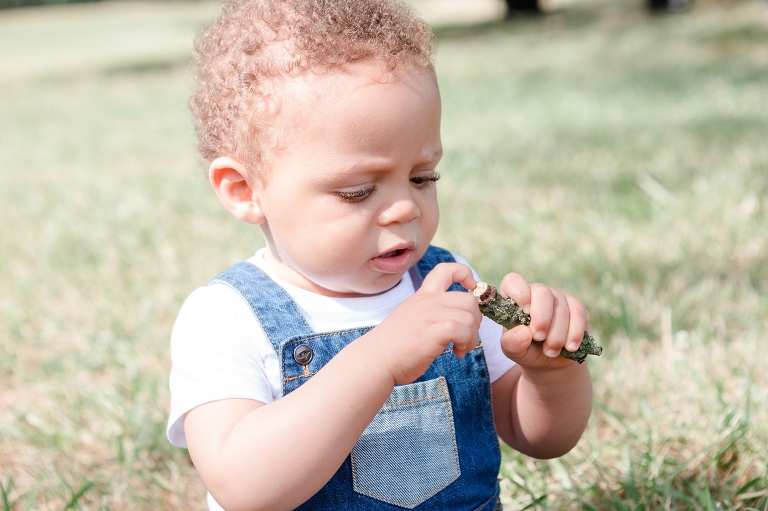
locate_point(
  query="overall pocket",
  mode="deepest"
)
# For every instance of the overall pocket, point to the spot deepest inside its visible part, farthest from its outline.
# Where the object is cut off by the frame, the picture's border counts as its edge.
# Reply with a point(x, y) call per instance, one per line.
point(408, 453)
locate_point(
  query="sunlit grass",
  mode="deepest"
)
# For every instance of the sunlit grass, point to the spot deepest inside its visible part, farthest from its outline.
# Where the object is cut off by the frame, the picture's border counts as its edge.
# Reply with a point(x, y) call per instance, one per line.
point(617, 156)
point(625, 164)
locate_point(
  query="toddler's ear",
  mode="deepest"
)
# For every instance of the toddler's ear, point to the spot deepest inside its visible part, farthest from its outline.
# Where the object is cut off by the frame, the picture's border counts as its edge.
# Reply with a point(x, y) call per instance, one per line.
point(235, 189)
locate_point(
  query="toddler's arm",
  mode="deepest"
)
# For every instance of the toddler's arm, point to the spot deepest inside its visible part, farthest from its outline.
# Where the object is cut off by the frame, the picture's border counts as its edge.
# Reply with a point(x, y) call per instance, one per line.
point(276, 456)
point(542, 405)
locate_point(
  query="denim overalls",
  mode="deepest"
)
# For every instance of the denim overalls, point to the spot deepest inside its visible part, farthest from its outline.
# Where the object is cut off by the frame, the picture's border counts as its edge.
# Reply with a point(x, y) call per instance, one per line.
point(432, 446)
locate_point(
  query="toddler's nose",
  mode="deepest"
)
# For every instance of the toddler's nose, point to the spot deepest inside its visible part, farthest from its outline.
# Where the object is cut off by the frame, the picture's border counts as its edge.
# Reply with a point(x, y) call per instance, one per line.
point(401, 211)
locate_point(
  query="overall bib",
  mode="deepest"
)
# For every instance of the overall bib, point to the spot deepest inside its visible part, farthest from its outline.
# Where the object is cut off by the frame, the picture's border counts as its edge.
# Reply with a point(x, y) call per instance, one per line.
point(431, 447)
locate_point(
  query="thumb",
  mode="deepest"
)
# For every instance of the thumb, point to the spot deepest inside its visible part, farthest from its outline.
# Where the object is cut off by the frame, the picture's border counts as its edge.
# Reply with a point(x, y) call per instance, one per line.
point(515, 342)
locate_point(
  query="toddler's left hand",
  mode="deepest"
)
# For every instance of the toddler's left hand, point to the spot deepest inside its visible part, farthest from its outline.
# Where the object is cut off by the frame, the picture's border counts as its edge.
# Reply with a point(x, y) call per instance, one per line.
point(557, 318)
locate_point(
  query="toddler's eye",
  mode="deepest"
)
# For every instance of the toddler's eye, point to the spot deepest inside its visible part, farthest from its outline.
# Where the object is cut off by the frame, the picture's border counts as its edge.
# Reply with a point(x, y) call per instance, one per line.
point(357, 195)
point(422, 181)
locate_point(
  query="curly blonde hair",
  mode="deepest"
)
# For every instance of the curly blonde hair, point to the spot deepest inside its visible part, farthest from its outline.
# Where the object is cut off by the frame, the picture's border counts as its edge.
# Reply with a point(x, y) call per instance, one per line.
point(241, 57)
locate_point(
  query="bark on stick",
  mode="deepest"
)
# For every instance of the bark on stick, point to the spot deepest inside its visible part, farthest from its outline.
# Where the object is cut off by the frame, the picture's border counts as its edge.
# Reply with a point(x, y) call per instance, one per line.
point(508, 314)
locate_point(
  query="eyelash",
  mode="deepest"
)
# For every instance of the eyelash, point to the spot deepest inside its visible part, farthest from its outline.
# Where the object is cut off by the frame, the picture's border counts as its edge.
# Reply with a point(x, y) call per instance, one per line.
point(425, 180)
point(361, 195)
point(357, 195)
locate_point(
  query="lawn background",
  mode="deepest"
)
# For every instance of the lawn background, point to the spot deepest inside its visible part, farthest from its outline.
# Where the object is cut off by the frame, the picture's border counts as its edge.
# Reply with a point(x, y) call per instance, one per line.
point(616, 155)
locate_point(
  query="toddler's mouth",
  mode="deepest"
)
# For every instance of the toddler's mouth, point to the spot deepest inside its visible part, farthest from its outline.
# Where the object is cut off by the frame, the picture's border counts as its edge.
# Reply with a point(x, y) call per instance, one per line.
point(393, 253)
point(393, 261)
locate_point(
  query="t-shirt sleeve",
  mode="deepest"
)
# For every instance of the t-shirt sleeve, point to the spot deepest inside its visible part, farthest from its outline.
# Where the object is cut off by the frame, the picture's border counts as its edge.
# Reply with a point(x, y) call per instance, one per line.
point(490, 336)
point(215, 354)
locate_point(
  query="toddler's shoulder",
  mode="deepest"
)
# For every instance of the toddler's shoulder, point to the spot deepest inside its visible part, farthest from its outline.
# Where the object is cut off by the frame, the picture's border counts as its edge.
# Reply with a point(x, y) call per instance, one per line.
point(211, 308)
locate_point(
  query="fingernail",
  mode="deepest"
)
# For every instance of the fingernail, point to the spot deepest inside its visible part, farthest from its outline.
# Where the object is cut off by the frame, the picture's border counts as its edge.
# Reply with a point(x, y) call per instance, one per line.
point(539, 336)
point(573, 346)
point(527, 309)
point(551, 353)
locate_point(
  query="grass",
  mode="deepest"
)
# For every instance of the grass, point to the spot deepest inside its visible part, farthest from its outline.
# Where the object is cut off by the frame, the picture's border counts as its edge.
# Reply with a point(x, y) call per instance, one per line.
point(619, 156)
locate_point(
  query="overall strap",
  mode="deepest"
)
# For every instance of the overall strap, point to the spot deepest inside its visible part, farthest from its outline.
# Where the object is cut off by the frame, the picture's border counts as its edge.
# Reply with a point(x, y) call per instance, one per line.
point(432, 257)
point(275, 310)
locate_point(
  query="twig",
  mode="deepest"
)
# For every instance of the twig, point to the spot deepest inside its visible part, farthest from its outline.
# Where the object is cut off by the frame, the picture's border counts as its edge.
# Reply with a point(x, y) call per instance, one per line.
point(509, 314)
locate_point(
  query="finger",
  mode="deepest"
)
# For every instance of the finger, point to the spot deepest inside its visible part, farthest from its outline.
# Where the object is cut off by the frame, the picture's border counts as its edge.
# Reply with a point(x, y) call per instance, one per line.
point(465, 340)
point(542, 310)
point(464, 302)
point(461, 333)
point(458, 306)
point(579, 323)
point(514, 286)
point(559, 326)
point(445, 274)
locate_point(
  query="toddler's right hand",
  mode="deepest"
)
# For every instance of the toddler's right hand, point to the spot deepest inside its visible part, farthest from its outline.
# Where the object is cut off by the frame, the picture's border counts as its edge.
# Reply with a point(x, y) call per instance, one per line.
point(421, 327)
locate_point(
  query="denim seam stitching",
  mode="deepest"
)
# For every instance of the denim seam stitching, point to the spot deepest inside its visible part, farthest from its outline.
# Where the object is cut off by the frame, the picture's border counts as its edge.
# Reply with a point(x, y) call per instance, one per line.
point(409, 402)
point(444, 485)
point(306, 374)
point(447, 398)
point(279, 347)
point(326, 334)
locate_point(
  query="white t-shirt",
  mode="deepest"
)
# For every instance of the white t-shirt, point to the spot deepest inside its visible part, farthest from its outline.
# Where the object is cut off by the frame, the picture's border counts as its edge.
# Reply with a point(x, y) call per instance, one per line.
point(219, 350)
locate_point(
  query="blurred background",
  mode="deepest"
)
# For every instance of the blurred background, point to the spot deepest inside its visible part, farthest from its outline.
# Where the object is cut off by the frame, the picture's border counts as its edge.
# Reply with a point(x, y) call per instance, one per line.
point(611, 148)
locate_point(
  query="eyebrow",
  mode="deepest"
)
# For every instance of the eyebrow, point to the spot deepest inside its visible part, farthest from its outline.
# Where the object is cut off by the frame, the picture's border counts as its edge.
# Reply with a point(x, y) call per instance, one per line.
point(371, 166)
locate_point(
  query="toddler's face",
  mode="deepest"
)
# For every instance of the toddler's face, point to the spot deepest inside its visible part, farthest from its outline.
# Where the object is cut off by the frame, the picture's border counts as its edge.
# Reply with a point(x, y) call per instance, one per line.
point(350, 200)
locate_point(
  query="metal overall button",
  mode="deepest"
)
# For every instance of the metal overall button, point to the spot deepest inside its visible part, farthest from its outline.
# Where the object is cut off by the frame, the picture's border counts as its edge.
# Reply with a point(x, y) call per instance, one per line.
point(302, 354)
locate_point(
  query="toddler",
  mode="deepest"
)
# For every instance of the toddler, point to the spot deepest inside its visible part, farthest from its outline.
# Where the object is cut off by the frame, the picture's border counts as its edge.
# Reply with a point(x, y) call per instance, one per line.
point(343, 366)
